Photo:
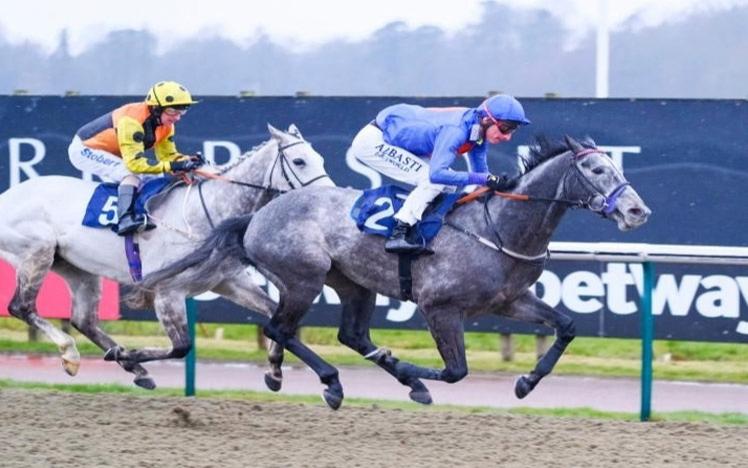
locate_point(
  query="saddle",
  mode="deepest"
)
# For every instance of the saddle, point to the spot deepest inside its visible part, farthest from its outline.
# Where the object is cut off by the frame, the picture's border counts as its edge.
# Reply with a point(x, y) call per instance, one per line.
point(374, 213)
point(102, 207)
point(102, 212)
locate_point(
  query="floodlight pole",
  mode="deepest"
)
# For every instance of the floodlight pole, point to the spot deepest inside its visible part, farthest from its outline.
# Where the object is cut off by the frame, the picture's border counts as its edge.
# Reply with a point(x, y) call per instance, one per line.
point(602, 50)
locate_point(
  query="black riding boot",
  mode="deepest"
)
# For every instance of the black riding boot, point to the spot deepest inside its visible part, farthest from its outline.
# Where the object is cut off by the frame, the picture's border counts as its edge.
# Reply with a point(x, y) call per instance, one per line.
point(398, 240)
point(128, 221)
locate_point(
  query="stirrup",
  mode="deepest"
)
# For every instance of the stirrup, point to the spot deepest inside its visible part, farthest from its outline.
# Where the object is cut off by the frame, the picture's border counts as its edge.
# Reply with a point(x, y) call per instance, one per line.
point(128, 224)
point(400, 246)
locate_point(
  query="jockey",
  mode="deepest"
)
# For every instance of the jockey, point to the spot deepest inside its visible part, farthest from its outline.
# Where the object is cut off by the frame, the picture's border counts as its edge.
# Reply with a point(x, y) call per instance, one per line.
point(113, 147)
point(402, 136)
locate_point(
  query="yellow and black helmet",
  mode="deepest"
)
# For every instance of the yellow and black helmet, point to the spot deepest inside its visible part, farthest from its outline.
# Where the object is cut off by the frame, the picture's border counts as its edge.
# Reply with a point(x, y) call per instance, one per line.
point(168, 94)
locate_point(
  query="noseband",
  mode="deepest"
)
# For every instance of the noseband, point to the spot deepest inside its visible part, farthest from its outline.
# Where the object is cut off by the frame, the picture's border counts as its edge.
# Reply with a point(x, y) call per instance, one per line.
point(599, 202)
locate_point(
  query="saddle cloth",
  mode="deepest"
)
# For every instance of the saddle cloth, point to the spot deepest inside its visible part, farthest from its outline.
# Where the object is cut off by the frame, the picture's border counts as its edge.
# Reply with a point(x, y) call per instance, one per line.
point(374, 212)
point(102, 207)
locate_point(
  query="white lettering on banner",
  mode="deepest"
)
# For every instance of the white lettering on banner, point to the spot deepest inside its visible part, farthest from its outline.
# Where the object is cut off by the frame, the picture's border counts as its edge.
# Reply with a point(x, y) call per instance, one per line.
point(580, 284)
point(209, 150)
point(403, 313)
point(677, 297)
point(18, 166)
point(616, 152)
point(616, 280)
point(721, 297)
point(722, 302)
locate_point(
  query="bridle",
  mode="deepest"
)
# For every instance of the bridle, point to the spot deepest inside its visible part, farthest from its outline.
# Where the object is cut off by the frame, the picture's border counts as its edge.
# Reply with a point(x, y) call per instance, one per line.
point(281, 161)
point(286, 168)
point(598, 202)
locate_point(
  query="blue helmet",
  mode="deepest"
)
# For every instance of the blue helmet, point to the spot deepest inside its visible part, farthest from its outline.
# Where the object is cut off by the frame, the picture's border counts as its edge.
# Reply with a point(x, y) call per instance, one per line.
point(503, 107)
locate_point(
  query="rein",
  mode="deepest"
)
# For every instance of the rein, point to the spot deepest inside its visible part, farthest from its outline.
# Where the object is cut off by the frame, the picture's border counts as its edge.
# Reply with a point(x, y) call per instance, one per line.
point(605, 207)
point(286, 171)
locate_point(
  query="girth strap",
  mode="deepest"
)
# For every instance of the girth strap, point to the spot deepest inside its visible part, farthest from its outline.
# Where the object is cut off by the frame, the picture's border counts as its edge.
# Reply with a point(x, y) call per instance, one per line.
point(132, 252)
point(404, 264)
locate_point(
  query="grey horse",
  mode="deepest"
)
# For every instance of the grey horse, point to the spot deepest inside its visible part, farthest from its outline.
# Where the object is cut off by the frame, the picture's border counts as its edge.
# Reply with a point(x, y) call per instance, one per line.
point(485, 260)
point(39, 234)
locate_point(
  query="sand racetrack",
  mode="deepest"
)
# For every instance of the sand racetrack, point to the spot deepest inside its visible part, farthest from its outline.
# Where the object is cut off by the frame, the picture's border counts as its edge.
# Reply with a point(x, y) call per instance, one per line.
point(57, 429)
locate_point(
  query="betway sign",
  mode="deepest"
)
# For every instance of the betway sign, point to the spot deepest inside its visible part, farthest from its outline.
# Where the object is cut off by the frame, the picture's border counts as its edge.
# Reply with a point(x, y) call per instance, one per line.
point(695, 302)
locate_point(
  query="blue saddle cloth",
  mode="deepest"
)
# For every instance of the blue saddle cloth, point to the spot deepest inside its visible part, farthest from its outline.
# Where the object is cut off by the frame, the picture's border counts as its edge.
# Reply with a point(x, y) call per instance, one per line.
point(102, 207)
point(374, 211)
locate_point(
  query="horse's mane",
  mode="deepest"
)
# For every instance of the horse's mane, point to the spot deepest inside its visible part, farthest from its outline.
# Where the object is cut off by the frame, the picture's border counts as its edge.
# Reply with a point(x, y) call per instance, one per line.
point(247, 154)
point(544, 149)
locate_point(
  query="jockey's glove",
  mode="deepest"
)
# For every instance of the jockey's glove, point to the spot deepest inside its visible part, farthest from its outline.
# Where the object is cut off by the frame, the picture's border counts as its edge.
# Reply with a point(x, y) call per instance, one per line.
point(185, 165)
point(500, 183)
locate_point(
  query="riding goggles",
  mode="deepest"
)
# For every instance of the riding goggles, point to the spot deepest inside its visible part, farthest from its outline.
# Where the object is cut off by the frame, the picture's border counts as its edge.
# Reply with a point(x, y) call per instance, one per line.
point(507, 127)
point(175, 110)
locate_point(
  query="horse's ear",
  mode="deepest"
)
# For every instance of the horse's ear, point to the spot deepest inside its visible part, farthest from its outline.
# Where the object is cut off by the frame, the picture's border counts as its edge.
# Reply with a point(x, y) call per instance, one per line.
point(573, 144)
point(589, 142)
point(294, 130)
point(275, 133)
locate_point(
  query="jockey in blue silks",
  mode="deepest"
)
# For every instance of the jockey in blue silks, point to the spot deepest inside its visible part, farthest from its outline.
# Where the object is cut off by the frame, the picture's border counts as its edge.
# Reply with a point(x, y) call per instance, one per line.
point(417, 146)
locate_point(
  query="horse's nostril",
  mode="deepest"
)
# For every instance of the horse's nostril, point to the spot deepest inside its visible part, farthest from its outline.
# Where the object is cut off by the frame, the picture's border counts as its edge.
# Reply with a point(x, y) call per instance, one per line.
point(639, 213)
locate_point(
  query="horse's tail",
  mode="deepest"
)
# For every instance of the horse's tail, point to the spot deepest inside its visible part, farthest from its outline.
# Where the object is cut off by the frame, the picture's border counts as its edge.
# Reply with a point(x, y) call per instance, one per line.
point(224, 241)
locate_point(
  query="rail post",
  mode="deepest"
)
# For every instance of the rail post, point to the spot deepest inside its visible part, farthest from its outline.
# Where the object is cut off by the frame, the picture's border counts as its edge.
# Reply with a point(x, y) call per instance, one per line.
point(189, 360)
point(647, 333)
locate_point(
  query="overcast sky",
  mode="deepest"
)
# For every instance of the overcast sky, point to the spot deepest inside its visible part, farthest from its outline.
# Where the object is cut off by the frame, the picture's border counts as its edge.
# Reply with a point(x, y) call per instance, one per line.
point(302, 24)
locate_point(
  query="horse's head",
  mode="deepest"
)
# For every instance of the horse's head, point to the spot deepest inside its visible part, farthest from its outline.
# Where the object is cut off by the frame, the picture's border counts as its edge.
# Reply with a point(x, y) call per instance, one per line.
point(602, 188)
point(298, 164)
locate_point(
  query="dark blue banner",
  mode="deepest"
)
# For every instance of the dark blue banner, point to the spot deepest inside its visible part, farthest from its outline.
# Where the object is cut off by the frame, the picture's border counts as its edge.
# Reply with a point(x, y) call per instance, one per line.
point(688, 159)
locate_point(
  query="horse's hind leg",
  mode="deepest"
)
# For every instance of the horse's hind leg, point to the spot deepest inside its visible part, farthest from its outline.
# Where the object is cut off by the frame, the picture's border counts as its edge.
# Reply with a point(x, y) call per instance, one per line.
point(86, 289)
point(172, 314)
point(529, 308)
point(358, 307)
point(30, 273)
point(284, 323)
point(241, 290)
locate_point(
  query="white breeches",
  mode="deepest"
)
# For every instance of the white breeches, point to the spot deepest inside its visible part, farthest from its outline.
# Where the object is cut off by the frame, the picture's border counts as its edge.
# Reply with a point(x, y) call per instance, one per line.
point(396, 163)
point(107, 166)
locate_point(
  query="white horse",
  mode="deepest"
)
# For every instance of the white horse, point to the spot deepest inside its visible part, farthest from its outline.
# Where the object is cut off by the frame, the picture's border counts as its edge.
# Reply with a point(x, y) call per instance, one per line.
point(41, 230)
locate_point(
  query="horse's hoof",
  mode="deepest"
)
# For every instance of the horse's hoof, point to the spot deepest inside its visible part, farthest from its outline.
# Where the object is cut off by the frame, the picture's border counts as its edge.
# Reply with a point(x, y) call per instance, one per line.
point(522, 387)
point(422, 397)
point(333, 400)
point(113, 353)
point(272, 382)
point(71, 366)
point(145, 381)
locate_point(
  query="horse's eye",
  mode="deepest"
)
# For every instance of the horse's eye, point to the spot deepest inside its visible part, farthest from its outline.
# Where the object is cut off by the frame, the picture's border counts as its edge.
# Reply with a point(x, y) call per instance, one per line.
point(598, 170)
point(299, 162)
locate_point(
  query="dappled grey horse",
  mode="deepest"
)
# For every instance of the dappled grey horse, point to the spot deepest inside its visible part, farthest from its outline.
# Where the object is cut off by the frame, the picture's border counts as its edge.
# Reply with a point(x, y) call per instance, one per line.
point(40, 230)
point(485, 260)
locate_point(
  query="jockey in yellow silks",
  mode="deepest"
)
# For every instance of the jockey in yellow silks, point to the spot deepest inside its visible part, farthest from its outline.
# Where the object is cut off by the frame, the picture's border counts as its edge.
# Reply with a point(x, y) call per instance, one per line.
point(113, 146)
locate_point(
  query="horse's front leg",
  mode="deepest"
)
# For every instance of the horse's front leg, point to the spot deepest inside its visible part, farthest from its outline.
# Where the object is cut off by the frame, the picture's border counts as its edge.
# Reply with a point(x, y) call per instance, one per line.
point(448, 332)
point(528, 308)
point(171, 312)
point(358, 308)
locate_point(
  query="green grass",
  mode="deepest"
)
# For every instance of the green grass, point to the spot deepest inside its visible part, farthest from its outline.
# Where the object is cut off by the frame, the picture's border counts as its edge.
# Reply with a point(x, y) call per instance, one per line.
point(719, 362)
point(246, 395)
